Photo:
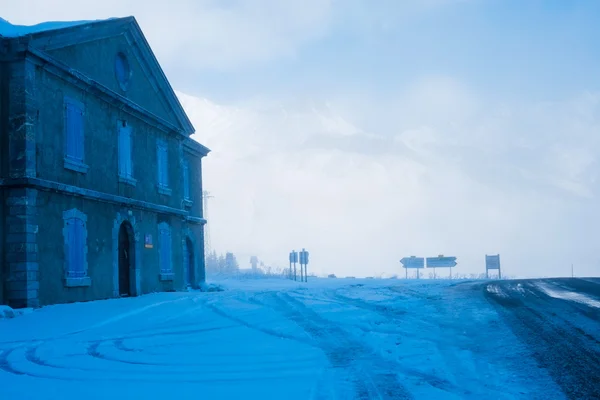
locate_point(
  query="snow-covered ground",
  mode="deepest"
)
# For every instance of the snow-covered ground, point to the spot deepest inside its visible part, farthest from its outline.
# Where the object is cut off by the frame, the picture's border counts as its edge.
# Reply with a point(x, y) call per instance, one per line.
point(274, 339)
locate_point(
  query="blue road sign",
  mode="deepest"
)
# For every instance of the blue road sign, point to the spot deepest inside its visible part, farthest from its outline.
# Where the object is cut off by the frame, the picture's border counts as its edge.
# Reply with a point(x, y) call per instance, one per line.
point(492, 262)
point(303, 257)
point(413, 262)
point(293, 257)
point(441, 262)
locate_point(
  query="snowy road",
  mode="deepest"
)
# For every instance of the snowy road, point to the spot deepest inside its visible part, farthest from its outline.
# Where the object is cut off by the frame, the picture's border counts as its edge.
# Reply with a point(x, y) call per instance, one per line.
point(328, 339)
point(559, 319)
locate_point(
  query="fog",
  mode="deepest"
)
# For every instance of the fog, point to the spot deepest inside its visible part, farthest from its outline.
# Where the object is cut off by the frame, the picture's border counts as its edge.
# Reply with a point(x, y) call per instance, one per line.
point(369, 133)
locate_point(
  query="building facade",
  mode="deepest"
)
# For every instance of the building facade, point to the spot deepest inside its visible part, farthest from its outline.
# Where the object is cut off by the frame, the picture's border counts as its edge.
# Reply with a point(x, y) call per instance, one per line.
point(101, 184)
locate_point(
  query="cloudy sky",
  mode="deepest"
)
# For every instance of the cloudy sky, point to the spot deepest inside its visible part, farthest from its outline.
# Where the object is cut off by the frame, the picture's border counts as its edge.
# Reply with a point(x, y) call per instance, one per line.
point(369, 130)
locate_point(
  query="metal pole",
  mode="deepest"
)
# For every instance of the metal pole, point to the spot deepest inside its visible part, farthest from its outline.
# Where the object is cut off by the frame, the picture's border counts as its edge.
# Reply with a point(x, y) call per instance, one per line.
point(572, 273)
point(434, 273)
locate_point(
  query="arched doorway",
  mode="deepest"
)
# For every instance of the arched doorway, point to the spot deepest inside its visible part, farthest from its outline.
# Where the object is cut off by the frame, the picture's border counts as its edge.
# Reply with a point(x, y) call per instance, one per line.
point(188, 259)
point(126, 258)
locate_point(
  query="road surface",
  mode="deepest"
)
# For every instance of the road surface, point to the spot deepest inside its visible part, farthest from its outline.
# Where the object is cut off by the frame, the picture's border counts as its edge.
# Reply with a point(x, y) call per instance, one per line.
point(325, 339)
point(559, 320)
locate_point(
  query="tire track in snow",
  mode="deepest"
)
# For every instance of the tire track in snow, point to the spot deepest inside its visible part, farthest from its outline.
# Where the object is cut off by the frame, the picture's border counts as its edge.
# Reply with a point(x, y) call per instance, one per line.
point(399, 318)
point(370, 376)
point(108, 321)
point(467, 355)
point(267, 331)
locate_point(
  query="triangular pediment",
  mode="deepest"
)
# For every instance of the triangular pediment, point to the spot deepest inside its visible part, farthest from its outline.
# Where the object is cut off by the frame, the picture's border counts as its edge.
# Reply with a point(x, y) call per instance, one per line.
point(116, 54)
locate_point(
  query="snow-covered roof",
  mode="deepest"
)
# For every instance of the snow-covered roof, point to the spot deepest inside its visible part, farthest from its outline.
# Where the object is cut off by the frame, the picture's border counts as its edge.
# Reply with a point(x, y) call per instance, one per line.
point(9, 30)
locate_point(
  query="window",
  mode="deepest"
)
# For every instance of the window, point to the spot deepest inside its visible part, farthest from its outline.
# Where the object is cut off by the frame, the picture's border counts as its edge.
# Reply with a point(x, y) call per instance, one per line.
point(163, 166)
point(125, 154)
point(74, 136)
point(186, 181)
point(122, 70)
point(164, 250)
point(75, 241)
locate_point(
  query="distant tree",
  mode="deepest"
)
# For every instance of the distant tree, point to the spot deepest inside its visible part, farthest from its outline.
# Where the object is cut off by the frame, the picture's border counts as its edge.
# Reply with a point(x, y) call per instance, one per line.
point(212, 263)
point(222, 264)
point(230, 264)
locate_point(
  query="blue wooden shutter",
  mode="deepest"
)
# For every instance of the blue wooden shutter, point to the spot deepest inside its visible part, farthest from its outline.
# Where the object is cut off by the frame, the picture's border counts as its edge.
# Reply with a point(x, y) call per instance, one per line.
point(80, 249)
point(186, 264)
point(121, 152)
point(165, 250)
point(186, 181)
point(125, 167)
point(74, 132)
point(161, 238)
point(128, 154)
point(70, 130)
point(169, 257)
point(165, 166)
point(70, 247)
point(79, 134)
point(159, 162)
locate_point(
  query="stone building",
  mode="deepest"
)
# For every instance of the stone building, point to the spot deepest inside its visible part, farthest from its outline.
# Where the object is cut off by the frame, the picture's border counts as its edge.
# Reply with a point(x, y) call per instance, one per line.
point(101, 184)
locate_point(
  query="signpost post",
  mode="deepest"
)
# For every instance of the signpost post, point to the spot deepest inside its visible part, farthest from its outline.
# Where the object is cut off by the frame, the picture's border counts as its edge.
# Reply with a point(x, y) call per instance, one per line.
point(492, 262)
point(304, 261)
point(293, 260)
point(413, 262)
point(441, 262)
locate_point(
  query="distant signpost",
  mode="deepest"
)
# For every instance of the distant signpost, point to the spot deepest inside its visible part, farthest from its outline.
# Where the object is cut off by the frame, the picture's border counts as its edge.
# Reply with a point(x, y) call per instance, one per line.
point(492, 262)
point(302, 257)
point(293, 260)
point(413, 263)
point(441, 262)
point(304, 261)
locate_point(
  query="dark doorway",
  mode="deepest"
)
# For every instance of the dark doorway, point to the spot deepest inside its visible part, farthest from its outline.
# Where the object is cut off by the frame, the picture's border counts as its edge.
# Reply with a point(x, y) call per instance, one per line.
point(125, 258)
point(189, 262)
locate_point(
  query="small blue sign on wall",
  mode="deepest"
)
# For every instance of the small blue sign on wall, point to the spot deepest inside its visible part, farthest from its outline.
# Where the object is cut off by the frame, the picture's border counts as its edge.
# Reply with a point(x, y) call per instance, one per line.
point(148, 241)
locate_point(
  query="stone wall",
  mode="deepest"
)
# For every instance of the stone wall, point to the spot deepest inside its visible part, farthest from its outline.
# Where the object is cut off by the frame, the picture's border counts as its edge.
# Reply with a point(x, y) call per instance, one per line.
point(37, 189)
point(3, 168)
point(20, 204)
point(103, 221)
point(101, 146)
point(83, 57)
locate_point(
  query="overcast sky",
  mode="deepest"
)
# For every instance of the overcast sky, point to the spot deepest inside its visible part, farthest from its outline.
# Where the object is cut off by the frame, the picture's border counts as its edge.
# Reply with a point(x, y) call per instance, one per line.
point(369, 130)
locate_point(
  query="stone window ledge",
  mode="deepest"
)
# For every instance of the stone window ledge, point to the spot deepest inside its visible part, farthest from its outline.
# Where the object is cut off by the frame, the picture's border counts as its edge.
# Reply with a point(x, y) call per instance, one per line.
point(187, 203)
point(167, 276)
point(127, 180)
point(78, 282)
point(76, 165)
point(164, 190)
